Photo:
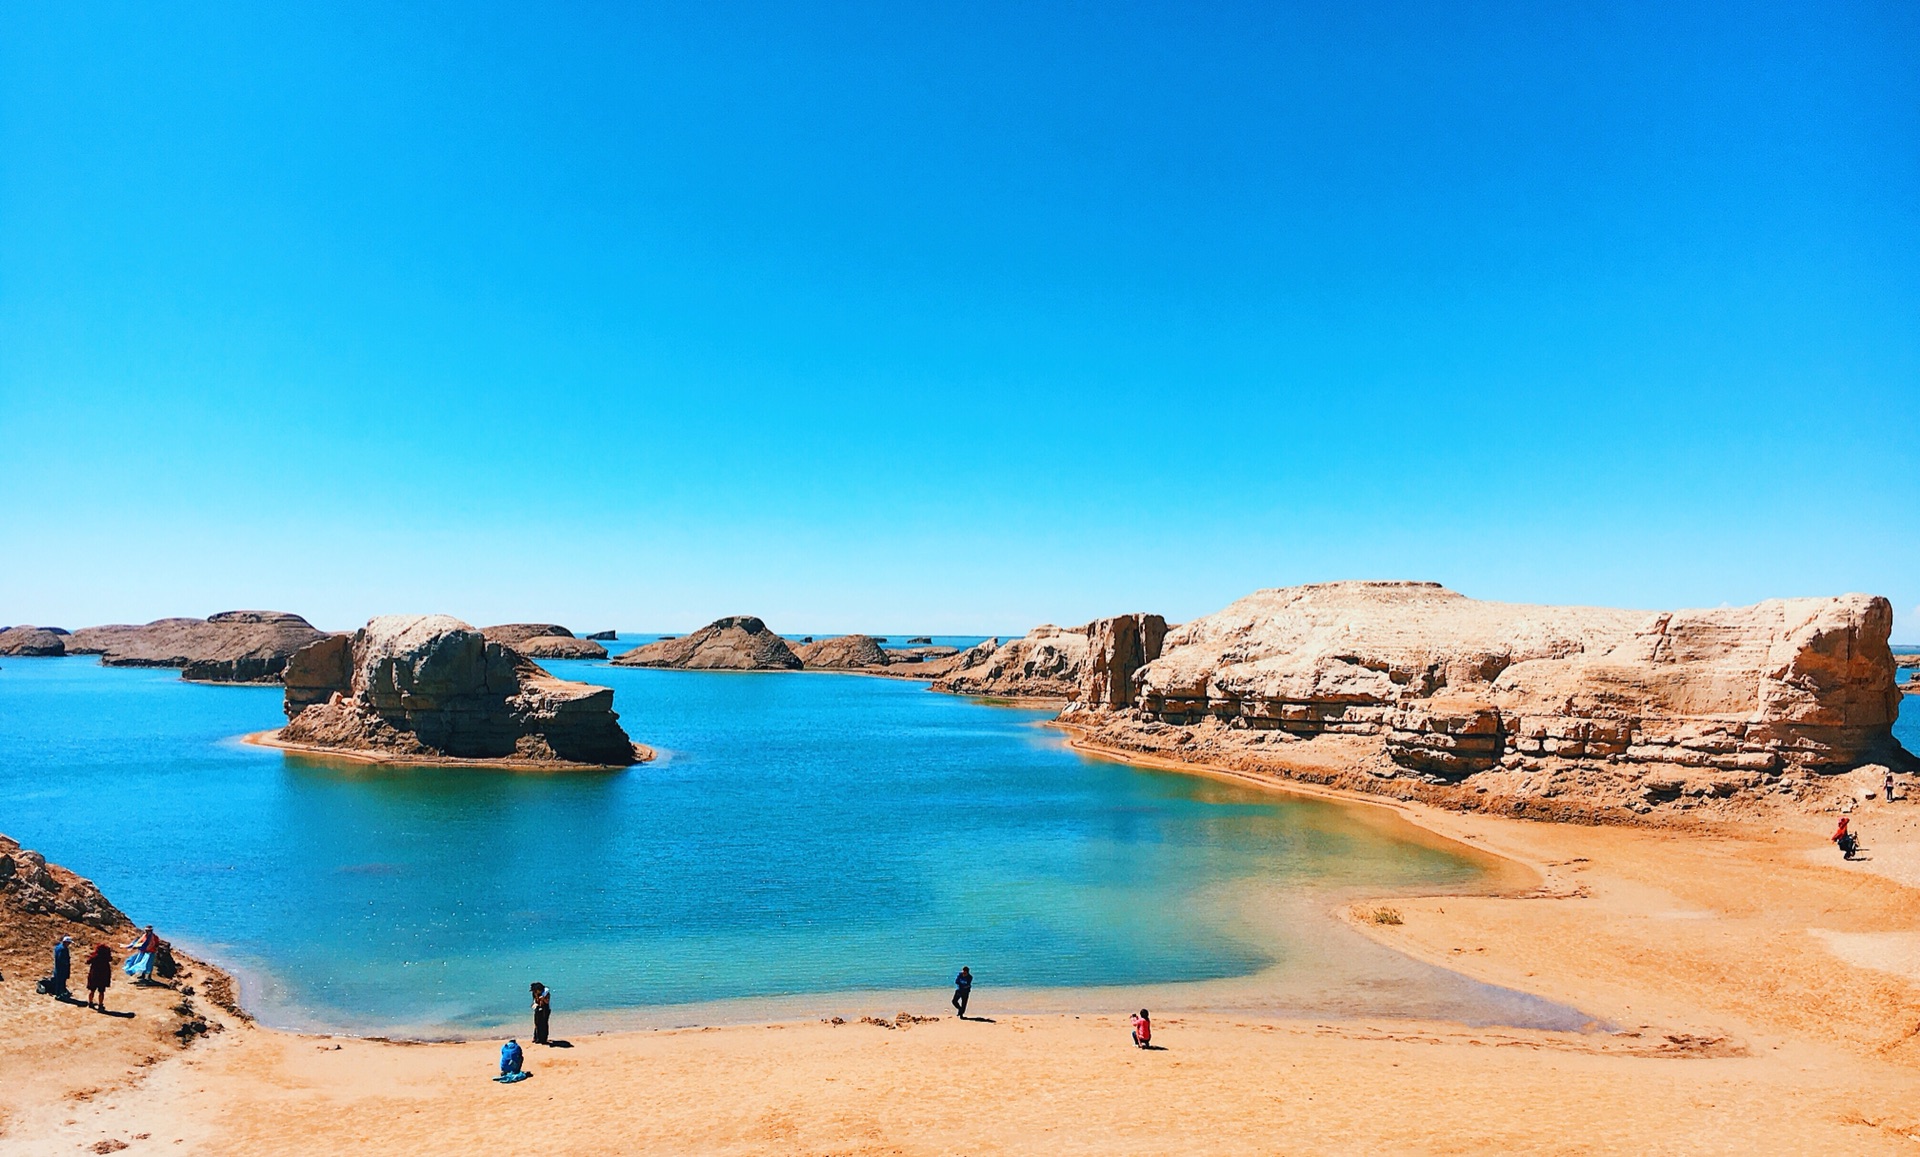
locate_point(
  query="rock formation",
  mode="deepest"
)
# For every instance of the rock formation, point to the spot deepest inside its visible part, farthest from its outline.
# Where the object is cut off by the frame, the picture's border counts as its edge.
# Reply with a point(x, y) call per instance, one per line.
point(34, 641)
point(1048, 662)
point(544, 641)
point(928, 654)
point(1449, 686)
point(422, 686)
point(603, 636)
point(31, 886)
point(230, 647)
point(848, 652)
point(735, 643)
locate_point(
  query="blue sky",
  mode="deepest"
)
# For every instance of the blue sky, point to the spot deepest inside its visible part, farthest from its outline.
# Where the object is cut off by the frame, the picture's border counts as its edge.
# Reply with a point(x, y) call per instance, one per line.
point(952, 318)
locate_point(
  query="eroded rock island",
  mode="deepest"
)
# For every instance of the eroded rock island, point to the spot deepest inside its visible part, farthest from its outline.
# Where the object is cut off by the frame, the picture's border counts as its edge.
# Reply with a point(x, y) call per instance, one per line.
point(230, 647)
point(735, 643)
point(544, 641)
point(427, 687)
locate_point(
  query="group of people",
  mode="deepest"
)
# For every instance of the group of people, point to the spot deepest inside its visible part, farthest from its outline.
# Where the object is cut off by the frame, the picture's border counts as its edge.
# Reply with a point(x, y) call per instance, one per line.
point(513, 1058)
point(146, 949)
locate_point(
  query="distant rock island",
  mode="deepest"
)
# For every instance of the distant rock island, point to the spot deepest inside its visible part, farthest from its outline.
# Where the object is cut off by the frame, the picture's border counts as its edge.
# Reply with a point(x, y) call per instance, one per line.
point(230, 647)
point(544, 641)
point(735, 643)
point(37, 642)
point(429, 687)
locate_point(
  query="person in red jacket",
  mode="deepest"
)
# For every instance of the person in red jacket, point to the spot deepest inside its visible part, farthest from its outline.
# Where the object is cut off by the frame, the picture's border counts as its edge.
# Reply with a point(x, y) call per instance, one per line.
point(1142, 1029)
point(1846, 840)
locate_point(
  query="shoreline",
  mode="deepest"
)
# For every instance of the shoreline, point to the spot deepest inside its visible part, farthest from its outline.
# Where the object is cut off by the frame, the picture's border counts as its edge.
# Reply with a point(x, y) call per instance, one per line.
point(642, 754)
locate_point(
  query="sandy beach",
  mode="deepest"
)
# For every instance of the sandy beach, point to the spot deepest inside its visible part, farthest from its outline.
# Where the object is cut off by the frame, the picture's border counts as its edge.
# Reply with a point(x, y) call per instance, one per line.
point(1762, 996)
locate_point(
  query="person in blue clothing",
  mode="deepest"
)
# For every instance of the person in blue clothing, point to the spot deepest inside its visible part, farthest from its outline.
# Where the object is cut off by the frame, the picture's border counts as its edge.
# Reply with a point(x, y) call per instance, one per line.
point(511, 1058)
point(962, 989)
point(62, 966)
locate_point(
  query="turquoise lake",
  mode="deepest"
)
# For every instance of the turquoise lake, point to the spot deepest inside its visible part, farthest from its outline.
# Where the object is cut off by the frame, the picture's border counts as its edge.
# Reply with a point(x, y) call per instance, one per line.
point(803, 837)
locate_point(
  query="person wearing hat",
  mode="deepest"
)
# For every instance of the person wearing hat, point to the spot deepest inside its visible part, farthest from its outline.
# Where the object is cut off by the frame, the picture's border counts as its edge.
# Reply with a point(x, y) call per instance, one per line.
point(62, 966)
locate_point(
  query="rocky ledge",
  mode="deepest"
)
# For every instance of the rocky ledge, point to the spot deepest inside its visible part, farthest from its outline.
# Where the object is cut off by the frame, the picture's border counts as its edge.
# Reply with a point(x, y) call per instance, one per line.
point(544, 641)
point(1413, 683)
point(844, 653)
point(230, 647)
point(426, 687)
point(735, 643)
point(41, 642)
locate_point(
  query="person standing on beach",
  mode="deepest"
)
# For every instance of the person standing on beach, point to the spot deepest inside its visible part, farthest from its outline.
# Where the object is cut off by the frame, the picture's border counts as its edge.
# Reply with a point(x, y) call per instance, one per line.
point(542, 1011)
point(62, 966)
point(1887, 793)
point(140, 964)
point(99, 975)
point(962, 989)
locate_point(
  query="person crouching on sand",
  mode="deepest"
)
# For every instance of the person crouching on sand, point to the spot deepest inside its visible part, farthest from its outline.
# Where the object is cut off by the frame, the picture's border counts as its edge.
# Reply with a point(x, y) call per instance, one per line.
point(1845, 840)
point(99, 975)
point(511, 1058)
point(1142, 1029)
point(542, 1011)
point(962, 989)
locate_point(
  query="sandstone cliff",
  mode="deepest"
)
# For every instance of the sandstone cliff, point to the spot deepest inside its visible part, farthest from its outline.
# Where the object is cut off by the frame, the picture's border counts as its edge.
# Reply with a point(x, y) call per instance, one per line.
point(848, 652)
point(735, 643)
point(422, 686)
point(1447, 686)
point(1048, 662)
point(230, 647)
point(34, 641)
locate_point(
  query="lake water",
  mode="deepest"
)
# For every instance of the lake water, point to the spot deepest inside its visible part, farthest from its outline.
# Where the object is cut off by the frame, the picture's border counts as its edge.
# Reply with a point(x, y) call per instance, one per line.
point(807, 844)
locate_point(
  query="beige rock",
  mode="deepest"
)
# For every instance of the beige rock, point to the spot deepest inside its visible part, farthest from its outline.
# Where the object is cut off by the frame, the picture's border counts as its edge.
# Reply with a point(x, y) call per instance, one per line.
point(559, 647)
point(846, 652)
point(427, 685)
point(1453, 683)
point(735, 643)
point(32, 641)
point(1048, 662)
point(230, 647)
point(515, 633)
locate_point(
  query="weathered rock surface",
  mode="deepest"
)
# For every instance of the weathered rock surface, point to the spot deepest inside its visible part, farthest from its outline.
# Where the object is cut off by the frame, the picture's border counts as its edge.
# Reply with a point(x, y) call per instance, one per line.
point(1451, 685)
point(513, 633)
point(31, 886)
point(1048, 662)
point(926, 654)
point(603, 636)
point(845, 653)
point(33, 641)
point(230, 647)
point(559, 647)
point(735, 643)
point(423, 686)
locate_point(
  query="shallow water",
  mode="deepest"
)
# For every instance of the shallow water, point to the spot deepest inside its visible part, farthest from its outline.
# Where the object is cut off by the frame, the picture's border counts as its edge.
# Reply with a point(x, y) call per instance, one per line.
point(802, 836)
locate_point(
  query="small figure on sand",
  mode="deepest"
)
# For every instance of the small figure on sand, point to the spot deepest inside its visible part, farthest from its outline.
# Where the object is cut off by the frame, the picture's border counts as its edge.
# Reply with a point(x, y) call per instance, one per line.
point(1142, 1029)
point(1887, 786)
point(512, 1063)
point(962, 989)
point(542, 1011)
point(140, 964)
point(62, 966)
point(1845, 840)
point(99, 976)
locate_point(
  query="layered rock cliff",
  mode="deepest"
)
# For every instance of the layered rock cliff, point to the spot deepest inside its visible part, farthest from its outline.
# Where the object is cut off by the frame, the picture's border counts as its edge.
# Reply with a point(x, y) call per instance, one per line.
point(1048, 662)
point(422, 686)
point(230, 647)
point(735, 643)
point(1445, 686)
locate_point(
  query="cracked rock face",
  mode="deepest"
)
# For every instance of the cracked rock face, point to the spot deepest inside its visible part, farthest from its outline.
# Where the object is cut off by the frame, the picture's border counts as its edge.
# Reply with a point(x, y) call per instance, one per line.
point(845, 653)
point(29, 884)
point(1454, 685)
point(735, 643)
point(230, 647)
point(427, 685)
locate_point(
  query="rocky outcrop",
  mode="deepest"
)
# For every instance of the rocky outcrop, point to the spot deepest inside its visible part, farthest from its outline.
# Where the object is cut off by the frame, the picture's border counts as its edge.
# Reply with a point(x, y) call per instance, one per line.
point(560, 647)
point(735, 643)
point(1116, 649)
point(845, 653)
point(230, 647)
point(1450, 685)
point(515, 633)
point(426, 686)
point(544, 641)
point(927, 654)
point(32, 641)
point(603, 636)
point(31, 886)
point(1048, 662)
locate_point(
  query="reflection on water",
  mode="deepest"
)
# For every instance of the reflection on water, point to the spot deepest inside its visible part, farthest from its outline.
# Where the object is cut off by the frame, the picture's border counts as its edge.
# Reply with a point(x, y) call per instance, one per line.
point(805, 834)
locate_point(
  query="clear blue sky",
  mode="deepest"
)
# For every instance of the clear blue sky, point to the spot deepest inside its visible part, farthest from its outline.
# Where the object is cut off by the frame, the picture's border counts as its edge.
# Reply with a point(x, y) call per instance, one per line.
point(960, 318)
